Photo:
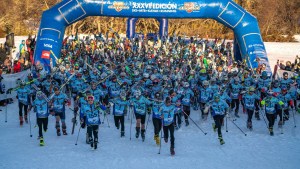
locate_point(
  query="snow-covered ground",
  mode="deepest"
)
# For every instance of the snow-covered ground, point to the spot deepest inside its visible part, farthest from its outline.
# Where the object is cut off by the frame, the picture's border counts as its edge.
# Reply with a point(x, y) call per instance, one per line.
point(194, 150)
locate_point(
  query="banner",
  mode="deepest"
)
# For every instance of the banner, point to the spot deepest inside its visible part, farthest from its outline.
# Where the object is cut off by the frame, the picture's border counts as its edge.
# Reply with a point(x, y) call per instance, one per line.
point(9, 80)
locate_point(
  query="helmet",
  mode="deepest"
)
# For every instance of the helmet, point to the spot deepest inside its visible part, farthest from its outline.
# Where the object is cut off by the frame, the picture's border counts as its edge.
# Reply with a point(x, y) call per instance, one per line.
point(284, 89)
point(165, 77)
point(203, 71)
point(22, 83)
point(236, 79)
point(39, 94)
point(103, 75)
point(217, 97)
point(213, 80)
point(152, 77)
point(186, 84)
point(29, 75)
point(146, 75)
point(123, 95)
point(251, 89)
point(136, 73)
point(137, 93)
point(123, 74)
point(285, 74)
point(62, 68)
point(157, 95)
point(192, 72)
point(205, 83)
point(168, 99)
point(264, 74)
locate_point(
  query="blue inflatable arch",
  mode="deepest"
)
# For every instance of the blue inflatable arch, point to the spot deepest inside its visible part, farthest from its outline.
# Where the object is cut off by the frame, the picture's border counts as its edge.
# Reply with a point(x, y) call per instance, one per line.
point(163, 27)
point(55, 20)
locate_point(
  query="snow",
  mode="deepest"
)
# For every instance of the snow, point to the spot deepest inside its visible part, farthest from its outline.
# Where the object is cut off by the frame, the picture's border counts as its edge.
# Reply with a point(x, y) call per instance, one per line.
point(193, 148)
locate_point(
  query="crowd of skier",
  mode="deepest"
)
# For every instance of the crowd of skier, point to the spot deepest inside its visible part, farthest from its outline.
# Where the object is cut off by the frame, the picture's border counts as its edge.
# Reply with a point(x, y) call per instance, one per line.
point(165, 80)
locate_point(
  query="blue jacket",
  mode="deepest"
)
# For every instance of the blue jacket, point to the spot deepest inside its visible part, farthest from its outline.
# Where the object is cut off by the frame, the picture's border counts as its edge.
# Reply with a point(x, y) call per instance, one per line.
point(219, 108)
point(168, 114)
point(41, 108)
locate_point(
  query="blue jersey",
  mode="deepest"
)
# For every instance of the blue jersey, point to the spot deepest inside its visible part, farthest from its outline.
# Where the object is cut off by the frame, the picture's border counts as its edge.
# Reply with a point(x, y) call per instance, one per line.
point(92, 114)
point(286, 83)
point(219, 108)
point(168, 114)
point(205, 94)
point(235, 91)
point(41, 108)
point(119, 106)
point(78, 85)
point(285, 99)
point(249, 101)
point(271, 104)
point(186, 97)
point(264, 83)
point(140, 105)
point(114, 89)
point(156, 109)
point(23, 95)
point(58, 102)
point(81, 103)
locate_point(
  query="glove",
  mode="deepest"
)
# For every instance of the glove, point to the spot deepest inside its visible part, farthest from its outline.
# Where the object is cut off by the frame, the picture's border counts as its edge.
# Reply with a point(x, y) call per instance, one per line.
point(291, 103)
point(17, 97)
point(82, 122)
point(68, 103)
point(124, 83)
point(263, 102)
point(280, 103)
point(263, 90)
point(76, 109)
point(103, 86)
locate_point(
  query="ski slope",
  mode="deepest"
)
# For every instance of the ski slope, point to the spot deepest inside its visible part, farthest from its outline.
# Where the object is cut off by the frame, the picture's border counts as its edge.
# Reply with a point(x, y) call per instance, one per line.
point(193, 149)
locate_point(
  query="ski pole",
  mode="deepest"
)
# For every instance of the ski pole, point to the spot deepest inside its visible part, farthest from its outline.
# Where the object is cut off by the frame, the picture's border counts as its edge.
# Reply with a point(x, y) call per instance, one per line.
point(131, 122)
point(293, 112)
point(6, 108)
point(263, 116)
point(107, 122)
point(147, 122)
point(226, 124)
point(77, 136)
point(162, 126)
point(194, 123)
point(29, 124)
point(238, 127)
point(128, 114)
point(281, 121)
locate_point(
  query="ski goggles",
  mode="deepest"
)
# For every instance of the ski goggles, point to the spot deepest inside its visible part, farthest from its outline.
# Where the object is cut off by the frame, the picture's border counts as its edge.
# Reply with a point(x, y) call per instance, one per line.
point(90, 98)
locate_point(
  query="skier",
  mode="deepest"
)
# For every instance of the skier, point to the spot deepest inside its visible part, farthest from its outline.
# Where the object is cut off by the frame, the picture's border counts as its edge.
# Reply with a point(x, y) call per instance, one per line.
point(120, 104)
point(58, 109)
point(91, 112)
point(23, 96)
point(249, 103)
point(235, 89)
point(219, 108)
point(271, 103)
point(168, 112)
point(156, 116)
point(186, 98)
point(40, 106)
point(140, 104)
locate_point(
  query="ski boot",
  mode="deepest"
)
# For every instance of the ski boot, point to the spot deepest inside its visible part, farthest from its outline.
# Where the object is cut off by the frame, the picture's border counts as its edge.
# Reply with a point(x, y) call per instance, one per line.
point(221, 140)
point(42, 143)
point(143, 134)
point(214, 127)
point(137, 134)
point(92, 145)
point(236, 115)
point(58, 131)
point(157, 140)
point(271, 131)
point(257, 116)
point(187, 123)
point(204, 117)
point(21, 120)
point(280, 123)
point(95, 145)
point(172, 151)
point(249, 125)
point(122, 133)
point(166, 139)
point(26, 119)
point(64, 129)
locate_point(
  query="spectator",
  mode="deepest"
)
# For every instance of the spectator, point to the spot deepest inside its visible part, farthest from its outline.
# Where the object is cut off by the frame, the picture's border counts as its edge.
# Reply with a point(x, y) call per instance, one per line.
point(17, 66)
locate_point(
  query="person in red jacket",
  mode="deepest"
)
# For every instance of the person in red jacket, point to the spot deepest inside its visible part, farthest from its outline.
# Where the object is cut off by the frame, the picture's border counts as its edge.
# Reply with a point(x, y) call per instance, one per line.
point(17, 67)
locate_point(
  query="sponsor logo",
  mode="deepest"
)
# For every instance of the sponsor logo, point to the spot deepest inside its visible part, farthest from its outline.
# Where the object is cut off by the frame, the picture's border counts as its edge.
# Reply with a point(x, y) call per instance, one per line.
point(118, 6)
point(45, 54)
point(189, 7)
point(47, 45)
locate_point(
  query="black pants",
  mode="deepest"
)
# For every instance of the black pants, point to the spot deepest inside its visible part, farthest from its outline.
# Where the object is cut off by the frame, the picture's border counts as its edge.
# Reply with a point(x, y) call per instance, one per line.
point(285, 114)
point(92, 130)
point(21, 105)
point(218, 121)
point(166, 134)
point(43, 124)
point(235, 103)
point(177, 119)
point(202, 107)
point(118, 120)
point(187, 111)
point(271, 119)
point(250, 114)
point(141, 117)
point(157, 125)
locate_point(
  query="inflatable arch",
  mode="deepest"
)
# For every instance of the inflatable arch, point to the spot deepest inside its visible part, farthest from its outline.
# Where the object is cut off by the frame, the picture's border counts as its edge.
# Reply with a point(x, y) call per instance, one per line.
point(131, 25)
point(55, 20)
